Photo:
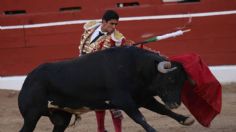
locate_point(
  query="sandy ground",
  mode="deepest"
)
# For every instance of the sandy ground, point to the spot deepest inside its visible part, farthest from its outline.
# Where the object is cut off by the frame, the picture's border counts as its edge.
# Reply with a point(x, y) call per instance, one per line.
point(11, 120)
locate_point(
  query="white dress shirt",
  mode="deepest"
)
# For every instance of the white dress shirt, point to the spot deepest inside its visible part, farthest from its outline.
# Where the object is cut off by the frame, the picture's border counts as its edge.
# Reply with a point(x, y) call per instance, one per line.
point(96, 32)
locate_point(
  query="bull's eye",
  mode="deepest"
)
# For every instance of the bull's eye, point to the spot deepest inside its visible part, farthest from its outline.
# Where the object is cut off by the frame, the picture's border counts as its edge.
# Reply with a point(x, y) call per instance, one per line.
point(171, 79)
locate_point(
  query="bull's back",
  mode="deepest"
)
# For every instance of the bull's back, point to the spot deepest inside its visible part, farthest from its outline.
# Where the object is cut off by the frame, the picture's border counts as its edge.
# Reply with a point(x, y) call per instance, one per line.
point(89, 73)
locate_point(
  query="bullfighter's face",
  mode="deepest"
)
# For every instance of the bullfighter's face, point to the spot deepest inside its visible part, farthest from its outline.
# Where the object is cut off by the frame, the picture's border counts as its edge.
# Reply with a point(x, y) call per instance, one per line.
point(109, 26)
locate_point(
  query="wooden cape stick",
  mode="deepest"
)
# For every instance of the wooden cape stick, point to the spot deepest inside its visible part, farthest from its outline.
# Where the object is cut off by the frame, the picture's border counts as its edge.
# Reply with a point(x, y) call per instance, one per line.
point(165, 36)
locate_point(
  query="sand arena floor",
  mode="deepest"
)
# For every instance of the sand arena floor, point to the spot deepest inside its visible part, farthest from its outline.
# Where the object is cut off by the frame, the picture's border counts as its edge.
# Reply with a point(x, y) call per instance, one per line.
point(11, 120)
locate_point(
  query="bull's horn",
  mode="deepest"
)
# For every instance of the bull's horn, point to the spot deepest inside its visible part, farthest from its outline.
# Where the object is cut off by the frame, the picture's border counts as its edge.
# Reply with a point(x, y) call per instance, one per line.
point(165, 66)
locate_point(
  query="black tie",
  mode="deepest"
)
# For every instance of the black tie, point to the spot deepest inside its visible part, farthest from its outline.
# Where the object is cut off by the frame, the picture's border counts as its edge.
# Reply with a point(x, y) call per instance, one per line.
point(99, 35)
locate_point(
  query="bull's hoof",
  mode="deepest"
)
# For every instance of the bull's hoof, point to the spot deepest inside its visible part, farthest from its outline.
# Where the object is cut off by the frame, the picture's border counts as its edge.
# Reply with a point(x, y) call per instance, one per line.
point(188, 121)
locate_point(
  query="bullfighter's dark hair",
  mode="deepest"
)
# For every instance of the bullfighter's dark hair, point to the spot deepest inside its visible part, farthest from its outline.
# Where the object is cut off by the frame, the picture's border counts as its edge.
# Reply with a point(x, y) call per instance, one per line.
point(109, 15)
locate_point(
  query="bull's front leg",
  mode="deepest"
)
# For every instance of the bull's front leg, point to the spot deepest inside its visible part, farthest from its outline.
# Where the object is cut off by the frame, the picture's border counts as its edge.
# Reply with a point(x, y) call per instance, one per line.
point(137, 116)
point(155, 106)
point(127, 104)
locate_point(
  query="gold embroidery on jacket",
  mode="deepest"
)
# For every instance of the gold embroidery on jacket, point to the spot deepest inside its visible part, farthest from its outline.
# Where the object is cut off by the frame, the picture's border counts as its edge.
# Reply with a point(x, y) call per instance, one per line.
point(85, 39)
point(102, 43)
point(107, 43)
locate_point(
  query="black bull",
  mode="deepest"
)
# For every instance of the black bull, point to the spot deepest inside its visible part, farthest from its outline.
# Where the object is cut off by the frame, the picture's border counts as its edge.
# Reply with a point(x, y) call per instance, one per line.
point(125, 78)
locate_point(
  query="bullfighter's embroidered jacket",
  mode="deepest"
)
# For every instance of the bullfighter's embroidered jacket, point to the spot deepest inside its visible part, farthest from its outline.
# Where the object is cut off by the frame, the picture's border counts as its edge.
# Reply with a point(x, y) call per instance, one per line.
point(106, 41)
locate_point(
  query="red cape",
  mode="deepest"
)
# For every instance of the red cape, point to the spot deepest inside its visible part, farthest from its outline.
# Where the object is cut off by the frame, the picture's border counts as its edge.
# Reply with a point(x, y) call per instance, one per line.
point(204, 99)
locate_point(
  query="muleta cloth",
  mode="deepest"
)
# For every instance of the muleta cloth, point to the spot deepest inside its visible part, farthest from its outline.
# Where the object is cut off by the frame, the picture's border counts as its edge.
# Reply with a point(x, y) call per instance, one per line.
point(204, 99)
